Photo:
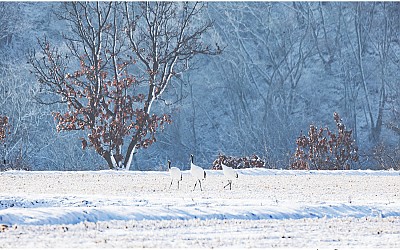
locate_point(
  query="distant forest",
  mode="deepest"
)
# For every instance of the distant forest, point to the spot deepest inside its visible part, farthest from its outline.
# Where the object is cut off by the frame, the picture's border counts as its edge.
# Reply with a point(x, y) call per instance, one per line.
point(212, 78)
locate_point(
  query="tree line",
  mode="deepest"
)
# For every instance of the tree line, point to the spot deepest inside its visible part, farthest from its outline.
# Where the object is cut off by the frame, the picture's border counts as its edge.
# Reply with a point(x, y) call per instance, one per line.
point(283, 66)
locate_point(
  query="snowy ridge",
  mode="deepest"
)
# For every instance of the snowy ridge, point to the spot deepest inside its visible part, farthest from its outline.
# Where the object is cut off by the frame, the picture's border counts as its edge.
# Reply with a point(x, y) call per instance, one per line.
point(74, 215)
point(29, 213)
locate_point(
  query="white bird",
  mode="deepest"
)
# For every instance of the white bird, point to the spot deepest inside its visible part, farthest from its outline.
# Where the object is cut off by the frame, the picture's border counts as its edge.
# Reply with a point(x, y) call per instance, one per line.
point(175, 174)
point(229, 173)
point(197, 172)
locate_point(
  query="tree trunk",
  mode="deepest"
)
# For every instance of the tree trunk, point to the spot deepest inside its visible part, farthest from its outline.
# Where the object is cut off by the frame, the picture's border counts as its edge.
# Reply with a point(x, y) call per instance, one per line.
point(107, 156)
point(359, 55)
point(129, 155)
point(377, 129)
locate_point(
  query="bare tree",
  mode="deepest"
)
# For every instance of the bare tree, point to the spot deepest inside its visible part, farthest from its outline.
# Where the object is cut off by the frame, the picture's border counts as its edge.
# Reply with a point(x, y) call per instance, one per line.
point(26, 129)
point(8, 21)
point(373, 41)
point(325, 23)
point(394, 123)
point(262, 94)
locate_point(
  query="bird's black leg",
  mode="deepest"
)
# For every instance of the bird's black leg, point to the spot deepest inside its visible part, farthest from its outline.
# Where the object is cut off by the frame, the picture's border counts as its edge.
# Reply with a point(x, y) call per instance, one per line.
point(195, 186)
point(230, 184)
point(170, 184)
point(178, 184)
point(200, 186)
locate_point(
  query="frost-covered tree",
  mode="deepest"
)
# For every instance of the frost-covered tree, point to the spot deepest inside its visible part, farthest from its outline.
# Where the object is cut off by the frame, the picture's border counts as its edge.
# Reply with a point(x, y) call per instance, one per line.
point(261, 95)
point(286, 65)
point(369, 52)
point(15, 89)
point(120, 59)
point(8, 22)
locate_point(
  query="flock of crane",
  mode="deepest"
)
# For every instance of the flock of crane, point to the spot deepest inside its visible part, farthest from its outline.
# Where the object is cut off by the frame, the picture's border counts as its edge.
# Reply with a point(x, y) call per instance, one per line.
point(199, 174)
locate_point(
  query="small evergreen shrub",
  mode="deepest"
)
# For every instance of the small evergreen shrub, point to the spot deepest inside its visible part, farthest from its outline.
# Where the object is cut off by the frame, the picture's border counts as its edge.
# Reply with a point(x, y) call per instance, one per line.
point(323, 149)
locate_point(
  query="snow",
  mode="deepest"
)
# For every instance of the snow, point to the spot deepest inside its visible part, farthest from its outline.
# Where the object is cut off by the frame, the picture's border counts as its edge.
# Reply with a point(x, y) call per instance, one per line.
point(97, 205)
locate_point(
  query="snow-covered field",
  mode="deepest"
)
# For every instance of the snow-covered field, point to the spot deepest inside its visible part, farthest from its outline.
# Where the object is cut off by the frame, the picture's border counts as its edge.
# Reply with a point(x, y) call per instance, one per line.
point(265, 208)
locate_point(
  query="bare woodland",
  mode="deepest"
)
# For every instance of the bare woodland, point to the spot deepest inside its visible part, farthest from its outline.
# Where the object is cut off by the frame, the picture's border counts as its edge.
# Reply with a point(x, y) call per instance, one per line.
point(233, 78)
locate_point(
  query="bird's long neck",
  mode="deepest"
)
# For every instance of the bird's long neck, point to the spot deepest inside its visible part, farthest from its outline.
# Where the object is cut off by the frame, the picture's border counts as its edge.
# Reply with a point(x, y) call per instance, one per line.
point(191, 159)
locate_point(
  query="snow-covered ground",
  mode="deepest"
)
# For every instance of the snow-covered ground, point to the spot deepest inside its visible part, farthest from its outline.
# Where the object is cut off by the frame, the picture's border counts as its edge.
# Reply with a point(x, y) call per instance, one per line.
point(265, 208)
